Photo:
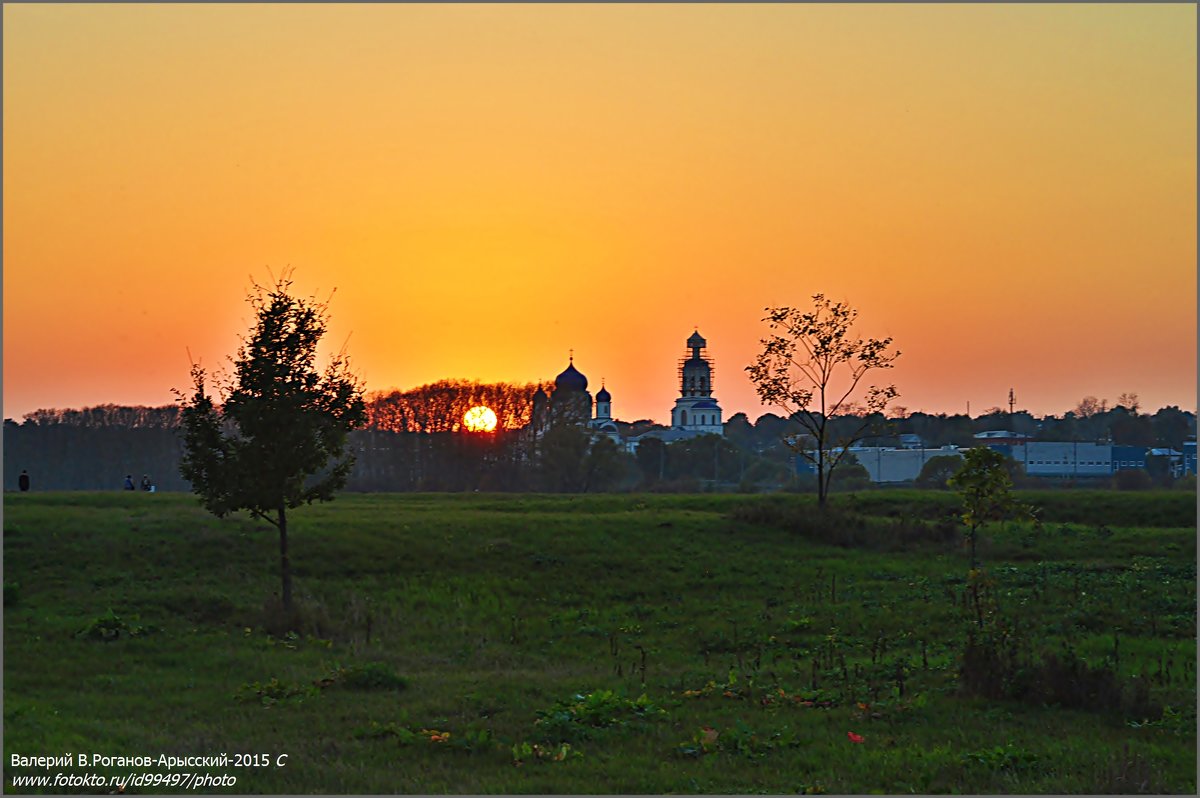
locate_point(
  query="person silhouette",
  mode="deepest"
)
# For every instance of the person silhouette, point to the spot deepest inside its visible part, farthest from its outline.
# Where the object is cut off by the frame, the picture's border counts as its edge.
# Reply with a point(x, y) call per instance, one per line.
point(145, 482)
point(129, 482)
point(23, 480)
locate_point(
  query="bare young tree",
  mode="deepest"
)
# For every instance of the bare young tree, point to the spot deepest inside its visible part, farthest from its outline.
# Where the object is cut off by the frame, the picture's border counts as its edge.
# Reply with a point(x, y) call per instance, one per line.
point(1130, 402)
point(811, 365)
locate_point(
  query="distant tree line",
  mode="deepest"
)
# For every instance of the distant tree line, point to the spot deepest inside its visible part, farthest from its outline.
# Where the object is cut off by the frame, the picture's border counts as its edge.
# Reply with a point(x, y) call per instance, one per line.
point(95, 448)
point(440, 406)
point(413, 441)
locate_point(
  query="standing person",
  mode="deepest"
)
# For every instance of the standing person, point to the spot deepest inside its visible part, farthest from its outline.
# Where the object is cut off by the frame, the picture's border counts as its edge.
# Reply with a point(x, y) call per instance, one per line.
point(146, 482)
point(23, 480)
point(129, 482)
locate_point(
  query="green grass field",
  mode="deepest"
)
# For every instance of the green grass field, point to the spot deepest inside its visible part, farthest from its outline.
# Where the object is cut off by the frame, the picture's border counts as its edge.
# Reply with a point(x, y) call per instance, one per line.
point(609, 644)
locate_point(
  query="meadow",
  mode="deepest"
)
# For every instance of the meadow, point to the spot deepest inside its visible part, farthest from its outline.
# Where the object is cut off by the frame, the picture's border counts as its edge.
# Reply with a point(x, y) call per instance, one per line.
point(703, 643)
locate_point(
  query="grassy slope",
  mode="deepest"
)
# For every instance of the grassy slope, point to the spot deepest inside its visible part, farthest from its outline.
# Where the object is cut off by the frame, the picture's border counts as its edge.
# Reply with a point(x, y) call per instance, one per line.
point(495, 607)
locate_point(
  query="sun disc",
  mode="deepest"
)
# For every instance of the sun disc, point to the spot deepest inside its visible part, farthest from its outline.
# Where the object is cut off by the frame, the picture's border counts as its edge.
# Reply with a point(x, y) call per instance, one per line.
point(479, 419)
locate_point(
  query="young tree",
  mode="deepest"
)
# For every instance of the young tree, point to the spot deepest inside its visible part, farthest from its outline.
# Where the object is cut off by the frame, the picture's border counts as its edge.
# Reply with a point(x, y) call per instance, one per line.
point(811, 366)
point(277, 441)
point(985, 487)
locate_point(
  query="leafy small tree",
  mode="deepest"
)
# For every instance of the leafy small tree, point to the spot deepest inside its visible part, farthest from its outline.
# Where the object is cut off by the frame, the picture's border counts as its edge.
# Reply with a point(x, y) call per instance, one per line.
point(938, 470)
point(811, 365)
point(564, 450)
point(985, 487)
point(604, 466)
point(277, 440)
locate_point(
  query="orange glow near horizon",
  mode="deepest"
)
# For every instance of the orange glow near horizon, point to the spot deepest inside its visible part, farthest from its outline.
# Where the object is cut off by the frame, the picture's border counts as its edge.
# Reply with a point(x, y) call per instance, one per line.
point(1009, 191)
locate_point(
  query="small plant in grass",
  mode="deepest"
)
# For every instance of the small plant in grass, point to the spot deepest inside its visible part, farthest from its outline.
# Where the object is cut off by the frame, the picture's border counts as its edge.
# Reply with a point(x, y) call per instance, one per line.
point(525, 751)
point(371, 676)
point(741, 740)
point(275, 691)
point(1177, 722)
point(381, 731)
point(583, 713)
point(110, 626)
point(470, 740)
point(1001, 757)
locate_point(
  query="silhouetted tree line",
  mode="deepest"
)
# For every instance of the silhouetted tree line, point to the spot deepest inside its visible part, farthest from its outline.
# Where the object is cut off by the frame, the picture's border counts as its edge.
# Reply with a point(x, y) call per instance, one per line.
point(413, 442)
point(140, 417)
point(440, 406)
point(76, 456)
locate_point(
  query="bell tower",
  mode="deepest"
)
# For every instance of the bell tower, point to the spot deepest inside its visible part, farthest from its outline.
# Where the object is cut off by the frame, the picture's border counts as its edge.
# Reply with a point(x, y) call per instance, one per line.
point(696, 409)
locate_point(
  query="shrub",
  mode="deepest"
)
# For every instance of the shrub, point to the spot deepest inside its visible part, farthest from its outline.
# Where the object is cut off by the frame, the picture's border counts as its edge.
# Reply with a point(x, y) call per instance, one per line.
point(937, 471)
point(687, 484)
point(579, 716)
point(1000, 665)
point(371, 676)
point(837, 526)
point(110, 626)
point(306, 616)
point(1132, 479)
point(275, 691)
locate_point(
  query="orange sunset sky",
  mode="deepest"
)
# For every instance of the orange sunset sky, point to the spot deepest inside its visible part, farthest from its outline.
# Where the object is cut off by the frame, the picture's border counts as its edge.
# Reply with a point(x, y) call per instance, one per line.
point(1007, 190)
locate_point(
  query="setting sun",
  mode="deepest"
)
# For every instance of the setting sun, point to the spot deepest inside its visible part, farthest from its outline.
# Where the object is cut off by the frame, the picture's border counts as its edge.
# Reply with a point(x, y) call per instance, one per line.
point(480, 419)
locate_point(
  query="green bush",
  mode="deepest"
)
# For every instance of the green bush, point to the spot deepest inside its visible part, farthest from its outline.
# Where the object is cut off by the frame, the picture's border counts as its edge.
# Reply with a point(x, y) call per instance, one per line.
point(1132, 479)
point(843, 527)
point(578, 717)
point(110, 626)
point(1000, 665)
point(275, 691)
point(371, 676)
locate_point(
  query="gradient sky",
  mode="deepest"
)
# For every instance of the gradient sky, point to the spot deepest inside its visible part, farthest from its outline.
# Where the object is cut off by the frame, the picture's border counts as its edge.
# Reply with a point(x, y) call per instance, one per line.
point(1008, 191)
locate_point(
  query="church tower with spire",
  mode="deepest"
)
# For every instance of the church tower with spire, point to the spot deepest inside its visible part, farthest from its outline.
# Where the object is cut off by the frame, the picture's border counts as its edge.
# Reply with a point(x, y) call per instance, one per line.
point(696, 410)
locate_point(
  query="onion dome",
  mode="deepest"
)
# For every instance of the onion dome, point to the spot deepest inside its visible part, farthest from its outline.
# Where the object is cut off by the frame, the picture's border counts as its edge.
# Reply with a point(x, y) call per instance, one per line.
point(571, 379)
point(603, 395)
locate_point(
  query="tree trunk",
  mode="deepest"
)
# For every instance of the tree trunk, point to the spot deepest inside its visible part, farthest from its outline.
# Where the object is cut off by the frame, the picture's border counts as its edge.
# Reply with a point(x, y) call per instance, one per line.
point(285, 565)
point(973, 534)
point(822, 484)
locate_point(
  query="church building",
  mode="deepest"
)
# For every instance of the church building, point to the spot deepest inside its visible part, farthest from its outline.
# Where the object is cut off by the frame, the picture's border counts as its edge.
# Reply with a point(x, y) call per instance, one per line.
point(696, 410)
point(571, 402)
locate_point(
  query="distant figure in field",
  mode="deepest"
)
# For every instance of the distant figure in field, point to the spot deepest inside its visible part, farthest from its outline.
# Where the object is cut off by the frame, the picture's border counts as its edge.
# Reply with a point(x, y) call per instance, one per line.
point(146, 483)
point(129, 482)
point(23, 480)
